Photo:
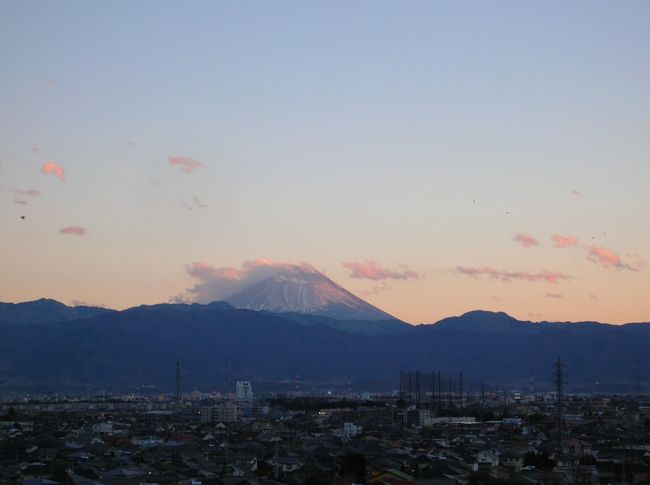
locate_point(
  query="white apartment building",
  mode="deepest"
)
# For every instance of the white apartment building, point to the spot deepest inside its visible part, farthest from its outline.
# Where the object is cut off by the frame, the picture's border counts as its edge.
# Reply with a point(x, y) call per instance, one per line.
point(244, 390)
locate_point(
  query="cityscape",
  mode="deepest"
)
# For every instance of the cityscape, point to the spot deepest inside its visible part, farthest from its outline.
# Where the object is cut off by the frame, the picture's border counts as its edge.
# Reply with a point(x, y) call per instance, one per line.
point(407, 436)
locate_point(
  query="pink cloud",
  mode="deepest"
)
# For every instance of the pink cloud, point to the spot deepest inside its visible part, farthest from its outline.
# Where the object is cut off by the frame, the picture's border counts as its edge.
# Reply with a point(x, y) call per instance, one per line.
point(607, 258)
point(577, 193)
point(220, 283)
point(525, 240)
point(75, 230)
point(496, 274)
point(554, 295)
point(202, 271)
point(372, 271)
point(564, 241)
point(53, 169)
point(20, 201)
point(187, 165)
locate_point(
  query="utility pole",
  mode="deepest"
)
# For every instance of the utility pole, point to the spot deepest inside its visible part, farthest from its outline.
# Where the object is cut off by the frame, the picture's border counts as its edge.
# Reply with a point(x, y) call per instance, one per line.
point(433, 390)
point(225, 465)
point(276, 459)
point(177, 403)
point(559, 399)
point(482, 401)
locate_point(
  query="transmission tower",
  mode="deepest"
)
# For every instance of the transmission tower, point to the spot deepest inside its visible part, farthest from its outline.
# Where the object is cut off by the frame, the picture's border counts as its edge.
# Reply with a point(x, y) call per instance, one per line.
point(177, 401)
point(559, 399)
point(433, 391)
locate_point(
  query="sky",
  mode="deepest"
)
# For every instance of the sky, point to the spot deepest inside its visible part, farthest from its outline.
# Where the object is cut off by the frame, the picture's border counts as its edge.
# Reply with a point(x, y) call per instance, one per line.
point(433, 157)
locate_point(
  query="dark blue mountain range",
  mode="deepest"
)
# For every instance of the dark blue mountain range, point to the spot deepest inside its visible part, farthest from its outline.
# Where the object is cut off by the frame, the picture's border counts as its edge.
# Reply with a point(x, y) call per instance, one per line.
point(48, 345)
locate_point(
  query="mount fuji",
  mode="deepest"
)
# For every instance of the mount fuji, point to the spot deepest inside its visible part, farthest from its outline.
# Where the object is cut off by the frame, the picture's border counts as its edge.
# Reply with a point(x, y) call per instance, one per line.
point(299, 289)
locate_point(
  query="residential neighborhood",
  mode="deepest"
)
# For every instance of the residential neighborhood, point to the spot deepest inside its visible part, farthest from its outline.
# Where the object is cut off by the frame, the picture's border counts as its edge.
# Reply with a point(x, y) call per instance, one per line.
point(323, 439)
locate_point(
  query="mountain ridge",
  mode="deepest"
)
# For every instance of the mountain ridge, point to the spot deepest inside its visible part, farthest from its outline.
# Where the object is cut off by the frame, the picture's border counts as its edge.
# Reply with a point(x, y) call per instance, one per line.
point(138, 346)
point(45, 310)
point(486, 319)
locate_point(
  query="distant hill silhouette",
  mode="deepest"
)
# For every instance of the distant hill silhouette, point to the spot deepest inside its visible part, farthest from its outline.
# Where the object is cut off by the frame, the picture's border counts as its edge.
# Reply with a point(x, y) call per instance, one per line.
point(55, 346)
point(45, 311)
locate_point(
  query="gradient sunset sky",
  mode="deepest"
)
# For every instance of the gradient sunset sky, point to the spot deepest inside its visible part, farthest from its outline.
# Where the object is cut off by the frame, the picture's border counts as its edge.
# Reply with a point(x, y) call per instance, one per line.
point(431, 157)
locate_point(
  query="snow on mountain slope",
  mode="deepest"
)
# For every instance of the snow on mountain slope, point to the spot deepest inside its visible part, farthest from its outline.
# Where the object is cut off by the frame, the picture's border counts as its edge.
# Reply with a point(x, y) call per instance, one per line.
point(304, 290)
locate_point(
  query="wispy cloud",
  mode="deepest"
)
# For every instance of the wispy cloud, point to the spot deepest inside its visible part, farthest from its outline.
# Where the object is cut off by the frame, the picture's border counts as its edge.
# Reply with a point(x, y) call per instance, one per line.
point(220, 283)
point(525, 240)
point(52, 168)
point(554, 295)
point(77, 302)
point(187, 165)
point(377, 289)
point(28, 193)
point(564, 241)
point(18, 200)
point(35, 150)
point(195, 204)
point(74, 230)
point(593, 297)
point(501, 275)
point(577, 193)
point(371, 270)
point(607, 258)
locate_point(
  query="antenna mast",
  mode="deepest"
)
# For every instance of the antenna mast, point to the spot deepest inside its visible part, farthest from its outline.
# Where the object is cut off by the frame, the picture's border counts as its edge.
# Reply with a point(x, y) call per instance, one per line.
point(178, 387)
point(559, 399)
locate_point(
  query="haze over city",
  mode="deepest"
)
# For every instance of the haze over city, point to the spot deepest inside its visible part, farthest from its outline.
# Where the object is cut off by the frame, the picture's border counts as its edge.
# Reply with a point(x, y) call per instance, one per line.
point(432, 159)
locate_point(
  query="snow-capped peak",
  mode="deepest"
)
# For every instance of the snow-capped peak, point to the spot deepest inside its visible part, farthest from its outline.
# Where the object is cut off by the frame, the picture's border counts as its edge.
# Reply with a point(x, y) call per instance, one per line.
point(303, 289)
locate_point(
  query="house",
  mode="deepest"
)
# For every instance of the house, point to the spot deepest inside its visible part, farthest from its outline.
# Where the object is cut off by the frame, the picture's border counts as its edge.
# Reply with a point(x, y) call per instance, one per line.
point(488, 457)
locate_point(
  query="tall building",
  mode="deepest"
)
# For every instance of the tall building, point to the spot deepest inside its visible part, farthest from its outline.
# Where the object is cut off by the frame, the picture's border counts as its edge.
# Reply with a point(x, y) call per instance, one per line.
point(225, 412)
point(244, 390)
